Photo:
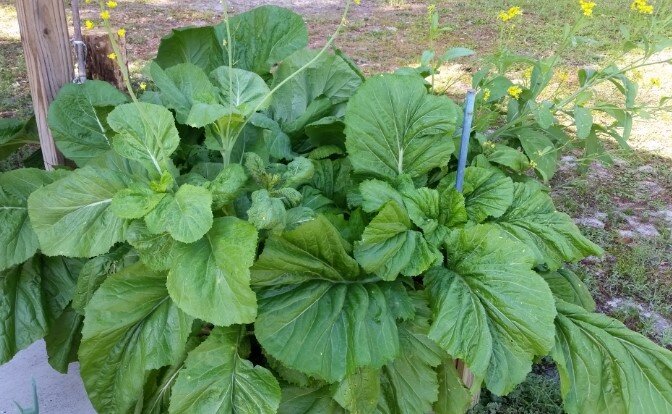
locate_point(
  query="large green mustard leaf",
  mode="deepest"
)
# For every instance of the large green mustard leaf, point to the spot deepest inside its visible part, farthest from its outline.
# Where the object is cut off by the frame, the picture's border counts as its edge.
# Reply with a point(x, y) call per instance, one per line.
point(145, 133)
point(552, 236)
point(454, 397)
point(16, 133)
point(487, 192)
point(394, 126)
point(94, 272)
point(566, 285)
point(32, 296)
point(606, 368)
point(242, 89)
point(309, 400)
point(72, 216)
point(409, 383)
point(280, 32)
point(312, 94)
point(359, 392)
point(181, 86)
point(18, 241)
point(389, 246)
point(490, 308)
point(78, 119)
point(217, 380)
point(317, 313)
point(131, 327)
point(186, 215)
point(195, 45)
point(210, 279)
point(62, 340)
point(157, 251)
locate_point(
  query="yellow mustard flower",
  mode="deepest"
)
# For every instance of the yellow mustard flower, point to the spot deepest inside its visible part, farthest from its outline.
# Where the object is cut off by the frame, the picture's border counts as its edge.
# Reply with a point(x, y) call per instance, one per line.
point(89, 24)
point(655, 82)
point(515, 91)
point(112, 56)
point(105, 15)
point(111, 4)
point(486, 94)
point(587, 7)
point(642, 6)
point(121, 32)
point(527, 74)
point(636, 75)
point(143, 85)
point(358, 2)
point(510, 14)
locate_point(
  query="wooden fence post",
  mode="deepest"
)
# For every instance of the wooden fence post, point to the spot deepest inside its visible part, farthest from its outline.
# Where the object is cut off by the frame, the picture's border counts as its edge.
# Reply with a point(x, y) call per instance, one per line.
point(46, 45)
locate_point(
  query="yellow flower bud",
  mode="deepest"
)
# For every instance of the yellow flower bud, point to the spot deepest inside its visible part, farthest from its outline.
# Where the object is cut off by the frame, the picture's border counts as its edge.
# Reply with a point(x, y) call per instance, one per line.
point(121, 32)
point(105, 15)
point(112, 56)
point(88, 24)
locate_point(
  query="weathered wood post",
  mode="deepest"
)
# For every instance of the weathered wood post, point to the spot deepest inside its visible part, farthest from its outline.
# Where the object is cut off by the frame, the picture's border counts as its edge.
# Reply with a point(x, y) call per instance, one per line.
point(46, 45)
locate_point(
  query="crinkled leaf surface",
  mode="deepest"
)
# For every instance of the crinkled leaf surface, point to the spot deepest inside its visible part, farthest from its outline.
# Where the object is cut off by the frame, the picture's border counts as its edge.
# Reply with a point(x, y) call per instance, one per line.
point(181, 86)
point(280, 33)
point(454, 397)
point(394, 126)
point(32, 296)
point(18, 241)
point(487, 192)
point(409, 383)
point(216, 380)
point(540, 149)
point(227, 185)
point(131, 327)
point(94, 271)
point(606, 368)
point(210, 279)
point(145, 133)
point(63, 338)
point(490, 309)
point(195, 45)
point(551, 236)
point(24, 319)
point(309, 400)
point(72, 216)
point(359, 391)
point(566, 285)
point(77, 119)
point(186, 215)
point(242, 89)
point(266, 212)
point(389, 247)
point(135, 202)
point(316, 313)
point(155, 250)
point(312, 94)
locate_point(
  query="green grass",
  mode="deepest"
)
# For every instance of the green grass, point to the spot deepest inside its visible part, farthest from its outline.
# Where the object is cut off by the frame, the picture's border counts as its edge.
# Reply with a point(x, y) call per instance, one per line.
point(539, 394)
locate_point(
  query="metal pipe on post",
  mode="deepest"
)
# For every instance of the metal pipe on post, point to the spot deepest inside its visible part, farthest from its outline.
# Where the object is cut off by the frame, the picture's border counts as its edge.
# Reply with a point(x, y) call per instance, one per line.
point(78, 44)
point(466, 133)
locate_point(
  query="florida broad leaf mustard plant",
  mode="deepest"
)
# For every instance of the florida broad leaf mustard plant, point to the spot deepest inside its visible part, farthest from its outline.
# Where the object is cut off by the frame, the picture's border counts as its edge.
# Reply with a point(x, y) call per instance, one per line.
point(247, 238)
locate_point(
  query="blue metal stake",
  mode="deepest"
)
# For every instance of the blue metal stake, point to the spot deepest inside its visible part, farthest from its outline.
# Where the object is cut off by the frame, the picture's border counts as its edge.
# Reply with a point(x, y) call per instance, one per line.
point(466, 133)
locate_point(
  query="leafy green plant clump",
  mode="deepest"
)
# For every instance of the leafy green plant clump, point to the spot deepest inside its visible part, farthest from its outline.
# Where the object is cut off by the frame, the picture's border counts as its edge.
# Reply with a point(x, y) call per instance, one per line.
point(249, 238)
